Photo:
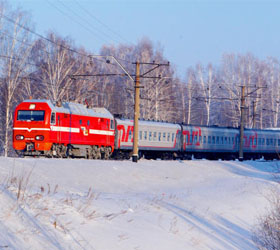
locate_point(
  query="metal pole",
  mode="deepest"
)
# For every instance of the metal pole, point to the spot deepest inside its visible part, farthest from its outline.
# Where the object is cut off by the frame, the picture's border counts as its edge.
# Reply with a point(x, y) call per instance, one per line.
point(241, 133)
point(254, 113)
point(136, 113)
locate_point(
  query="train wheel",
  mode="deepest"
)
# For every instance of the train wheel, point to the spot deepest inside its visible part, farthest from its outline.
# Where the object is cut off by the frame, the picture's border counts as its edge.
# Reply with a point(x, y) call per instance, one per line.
point(96, 152)
point(107, 153)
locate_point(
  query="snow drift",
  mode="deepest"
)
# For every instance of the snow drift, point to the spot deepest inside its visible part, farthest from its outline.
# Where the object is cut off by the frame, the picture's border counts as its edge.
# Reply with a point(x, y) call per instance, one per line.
point(91, 204)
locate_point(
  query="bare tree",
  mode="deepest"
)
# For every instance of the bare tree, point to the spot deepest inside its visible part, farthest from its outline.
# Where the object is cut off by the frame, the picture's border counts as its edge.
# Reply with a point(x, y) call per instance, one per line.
point(56, 61)
point(15, 54)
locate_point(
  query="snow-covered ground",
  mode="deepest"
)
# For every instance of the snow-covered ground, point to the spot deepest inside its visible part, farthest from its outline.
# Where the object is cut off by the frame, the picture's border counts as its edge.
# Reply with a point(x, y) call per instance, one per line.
point(108, 205)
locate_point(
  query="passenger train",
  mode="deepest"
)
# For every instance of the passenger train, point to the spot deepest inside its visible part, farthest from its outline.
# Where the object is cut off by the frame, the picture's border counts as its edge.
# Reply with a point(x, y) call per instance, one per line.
point(42, 128)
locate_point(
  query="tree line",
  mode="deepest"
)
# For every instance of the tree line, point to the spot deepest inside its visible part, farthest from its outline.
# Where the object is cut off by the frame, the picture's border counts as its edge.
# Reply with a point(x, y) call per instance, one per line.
point(52, 67)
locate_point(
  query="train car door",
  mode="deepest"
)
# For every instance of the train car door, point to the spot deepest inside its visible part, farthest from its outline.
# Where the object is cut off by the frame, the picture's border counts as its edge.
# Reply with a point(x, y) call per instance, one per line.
point(59, 129)
point(107, 134)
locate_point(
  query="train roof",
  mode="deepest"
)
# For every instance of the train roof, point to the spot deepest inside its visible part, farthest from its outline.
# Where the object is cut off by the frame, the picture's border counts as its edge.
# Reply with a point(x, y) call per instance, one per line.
point(149, 123)
point(236, 128)
point(75, 108)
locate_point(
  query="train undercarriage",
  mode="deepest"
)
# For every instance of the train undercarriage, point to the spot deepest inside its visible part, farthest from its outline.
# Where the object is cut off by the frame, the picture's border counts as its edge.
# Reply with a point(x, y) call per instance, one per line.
point(68, 151)
point(102, 152)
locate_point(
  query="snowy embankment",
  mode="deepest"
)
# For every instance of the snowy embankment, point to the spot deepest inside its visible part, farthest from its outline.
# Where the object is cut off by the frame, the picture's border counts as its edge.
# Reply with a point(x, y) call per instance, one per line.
point(90, 204)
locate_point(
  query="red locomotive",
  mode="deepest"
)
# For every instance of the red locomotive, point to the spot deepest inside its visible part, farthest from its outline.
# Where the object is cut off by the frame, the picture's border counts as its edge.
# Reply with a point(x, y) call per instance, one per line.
point(62, 130)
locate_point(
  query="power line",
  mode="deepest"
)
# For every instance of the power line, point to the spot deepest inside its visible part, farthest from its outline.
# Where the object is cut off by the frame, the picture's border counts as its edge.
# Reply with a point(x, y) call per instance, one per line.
point(74, 20)
point(100, 22)
point(37, 34)
point(51, 41)
point(47, 39)
point(59, 45)
point(13, 58)
point(12, 37)
point(94, 29)
point(22, 42)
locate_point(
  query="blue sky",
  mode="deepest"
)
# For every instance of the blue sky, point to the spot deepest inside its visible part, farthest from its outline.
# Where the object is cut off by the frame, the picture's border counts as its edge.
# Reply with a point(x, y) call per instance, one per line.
point(189, 31)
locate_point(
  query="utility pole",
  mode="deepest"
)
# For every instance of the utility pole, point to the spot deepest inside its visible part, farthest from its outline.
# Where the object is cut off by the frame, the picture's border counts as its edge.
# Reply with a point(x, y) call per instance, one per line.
point(137, 91)
point(241, 132)
point(136, 113)
point(242, 120)
point(254, 113)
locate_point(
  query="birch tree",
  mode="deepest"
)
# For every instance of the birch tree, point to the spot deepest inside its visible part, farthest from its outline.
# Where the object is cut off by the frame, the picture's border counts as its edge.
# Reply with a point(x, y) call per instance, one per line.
point(15, 54)
point(56, 61)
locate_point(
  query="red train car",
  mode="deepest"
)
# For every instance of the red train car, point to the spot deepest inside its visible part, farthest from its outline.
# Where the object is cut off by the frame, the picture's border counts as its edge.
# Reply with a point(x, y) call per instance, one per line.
point(62, 130)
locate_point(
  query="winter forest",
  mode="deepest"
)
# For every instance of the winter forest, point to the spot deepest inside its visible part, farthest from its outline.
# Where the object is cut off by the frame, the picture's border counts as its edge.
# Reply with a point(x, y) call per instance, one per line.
point(51, 67)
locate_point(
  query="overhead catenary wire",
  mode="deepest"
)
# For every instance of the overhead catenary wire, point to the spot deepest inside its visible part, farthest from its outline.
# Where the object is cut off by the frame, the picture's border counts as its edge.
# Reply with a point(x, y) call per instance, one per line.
point(100, 22)
point(87, 22)
point(47, 39)
point(70, 17)
point(22, 42)
point(52, 42)
point(89, 26)
point(17, 59)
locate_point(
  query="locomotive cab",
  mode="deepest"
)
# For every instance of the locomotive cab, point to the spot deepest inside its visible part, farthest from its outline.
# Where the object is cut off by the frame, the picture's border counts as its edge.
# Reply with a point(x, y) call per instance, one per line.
point(31, 124)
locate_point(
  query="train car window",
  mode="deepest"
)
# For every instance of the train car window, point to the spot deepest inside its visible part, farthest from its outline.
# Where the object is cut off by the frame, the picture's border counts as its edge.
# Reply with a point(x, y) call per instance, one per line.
point(140, 135)
point(226, 140)
point(155, 136)
point(232, 140)
point(173, 136)
point(159, 136)
point(263, 141)
point(168, 137)
point(255, 141)
point(271, 141)
point(204, 139)
point(213, 139)
point(52, 118)
point(80, 122)
point(164, 136)
point(274, 142)
point(218, 140)
point(88, 123)
point(195, 138)
point(145, 135)
point(112, 124)
point(31, 115)
point(200, 139)
point(267, 141)
point(222, 140)
point(209, 139)
point(278, 142)
point(150, 136)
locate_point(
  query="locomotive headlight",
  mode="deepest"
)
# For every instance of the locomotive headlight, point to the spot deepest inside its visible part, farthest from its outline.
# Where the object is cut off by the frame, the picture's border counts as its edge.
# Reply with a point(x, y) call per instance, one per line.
point(39, 138)
point(19, 137)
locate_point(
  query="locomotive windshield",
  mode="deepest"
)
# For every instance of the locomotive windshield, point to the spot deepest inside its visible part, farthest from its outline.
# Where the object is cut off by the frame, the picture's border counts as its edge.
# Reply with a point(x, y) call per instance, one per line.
point(31, 115)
